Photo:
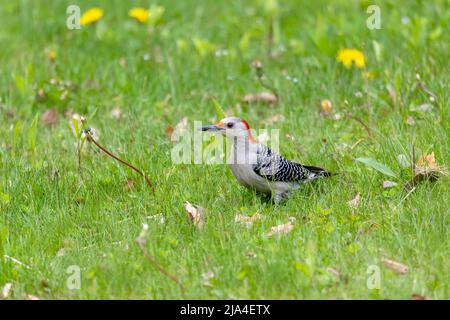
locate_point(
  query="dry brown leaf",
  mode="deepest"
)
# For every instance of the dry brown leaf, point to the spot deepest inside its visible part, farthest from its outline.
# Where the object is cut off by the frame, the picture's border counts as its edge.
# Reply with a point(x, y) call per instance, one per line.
point(395, 266)
point(169, 131)
point(50, 117)
point(250, 254)
point(281, 229)
point(246, 219)
point(195, 215)
point(326, 107)
point(61, 252)
point(417, 296)
point(354, 203)
point(6, 290)
point(274, 119)
point(116, 113)
point(426, 169)
point(426, 161)
point(183, 124)
point(265, 97)
point(334, 272)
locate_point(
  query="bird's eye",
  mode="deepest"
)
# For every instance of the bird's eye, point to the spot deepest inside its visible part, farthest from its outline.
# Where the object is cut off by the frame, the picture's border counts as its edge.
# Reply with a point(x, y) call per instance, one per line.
point(229, 125)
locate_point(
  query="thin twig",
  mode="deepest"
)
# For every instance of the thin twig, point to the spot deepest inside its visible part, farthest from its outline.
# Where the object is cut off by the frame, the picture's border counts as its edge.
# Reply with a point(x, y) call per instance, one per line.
point(141, 243)
point(349, 115)
point(91, 139)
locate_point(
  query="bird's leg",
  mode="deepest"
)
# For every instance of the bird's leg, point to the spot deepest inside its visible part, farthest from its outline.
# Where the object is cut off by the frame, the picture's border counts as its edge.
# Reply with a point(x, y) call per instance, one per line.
point(278, 197)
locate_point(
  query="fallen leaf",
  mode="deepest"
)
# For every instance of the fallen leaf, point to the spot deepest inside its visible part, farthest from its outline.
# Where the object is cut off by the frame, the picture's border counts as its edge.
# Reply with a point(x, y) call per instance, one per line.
point(169, 131)
point(116, 113)
point(274, 119)
point(388, 184)
point(326, 107)
point(281, 229)
point(395, 266)
point(196, 215)
point(206, 277)
point(266, 97)
point(246, 219)
point(61, 252)
point(183, 124)
point(50, 117)
point(417, 296)
point(334, 272)
point(31, 297)
point(354, 203)
point(6, 290)
point(426, 169)
point(250, 254)
point(426, 161)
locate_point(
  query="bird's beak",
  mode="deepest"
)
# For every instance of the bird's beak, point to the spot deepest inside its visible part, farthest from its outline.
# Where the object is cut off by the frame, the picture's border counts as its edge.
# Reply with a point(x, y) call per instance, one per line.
point(211, 128)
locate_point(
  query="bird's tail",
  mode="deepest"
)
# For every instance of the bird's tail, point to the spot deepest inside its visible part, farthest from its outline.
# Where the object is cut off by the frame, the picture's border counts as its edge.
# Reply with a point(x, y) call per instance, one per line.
point(319, 171)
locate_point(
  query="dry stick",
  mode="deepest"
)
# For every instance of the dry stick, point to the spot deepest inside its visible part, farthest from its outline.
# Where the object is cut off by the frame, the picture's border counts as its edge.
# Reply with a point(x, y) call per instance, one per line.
point(141, 243)
point(141, 239)
point(149, 184)
point(348, 114)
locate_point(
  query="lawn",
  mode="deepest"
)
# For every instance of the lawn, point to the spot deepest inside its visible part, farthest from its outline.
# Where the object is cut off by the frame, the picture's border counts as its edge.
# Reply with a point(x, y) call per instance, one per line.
point(366, 233)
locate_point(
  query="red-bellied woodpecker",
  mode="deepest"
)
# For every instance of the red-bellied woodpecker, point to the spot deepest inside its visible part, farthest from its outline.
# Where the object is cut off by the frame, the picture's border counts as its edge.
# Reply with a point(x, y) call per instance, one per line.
point(258, 167)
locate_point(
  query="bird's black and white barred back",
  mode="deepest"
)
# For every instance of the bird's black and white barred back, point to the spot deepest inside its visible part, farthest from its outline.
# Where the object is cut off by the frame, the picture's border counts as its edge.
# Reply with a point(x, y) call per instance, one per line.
point(274, 167)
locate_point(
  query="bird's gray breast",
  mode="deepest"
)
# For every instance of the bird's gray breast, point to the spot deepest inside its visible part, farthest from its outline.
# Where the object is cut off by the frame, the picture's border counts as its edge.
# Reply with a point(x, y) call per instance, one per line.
point(247, 177)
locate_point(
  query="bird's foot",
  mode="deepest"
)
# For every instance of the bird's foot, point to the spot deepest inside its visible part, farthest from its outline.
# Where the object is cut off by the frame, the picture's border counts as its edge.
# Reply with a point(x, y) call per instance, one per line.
point(278, 198)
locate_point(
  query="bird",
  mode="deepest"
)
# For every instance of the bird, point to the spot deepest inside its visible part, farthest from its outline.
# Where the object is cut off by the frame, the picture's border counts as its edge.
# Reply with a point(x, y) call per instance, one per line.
point(259, 168)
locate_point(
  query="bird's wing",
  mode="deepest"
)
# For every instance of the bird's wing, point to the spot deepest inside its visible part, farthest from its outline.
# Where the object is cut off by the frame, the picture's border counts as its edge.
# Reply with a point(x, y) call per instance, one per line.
point(274, 167)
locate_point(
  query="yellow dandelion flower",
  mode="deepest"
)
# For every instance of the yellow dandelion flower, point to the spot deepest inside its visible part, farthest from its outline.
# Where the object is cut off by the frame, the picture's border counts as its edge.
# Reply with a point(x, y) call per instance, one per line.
point(350, 56)
point(91, 16)
point(140, 14)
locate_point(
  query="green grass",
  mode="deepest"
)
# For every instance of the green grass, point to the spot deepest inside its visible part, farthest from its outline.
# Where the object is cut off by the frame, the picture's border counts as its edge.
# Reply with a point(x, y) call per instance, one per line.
point(47, 205)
